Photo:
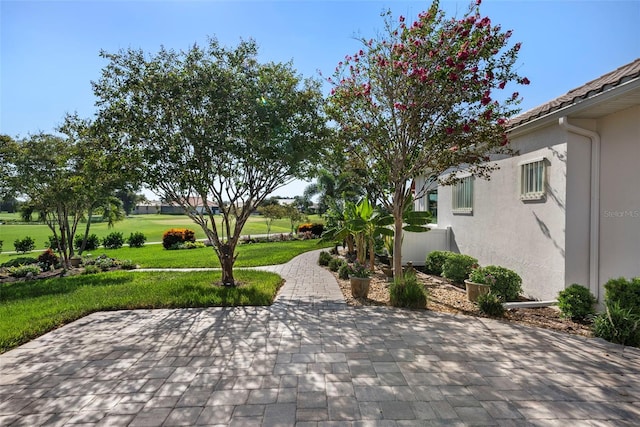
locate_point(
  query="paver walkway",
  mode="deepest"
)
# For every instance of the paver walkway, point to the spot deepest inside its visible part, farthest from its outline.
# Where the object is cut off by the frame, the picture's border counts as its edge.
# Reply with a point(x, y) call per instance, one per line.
point(310, 360)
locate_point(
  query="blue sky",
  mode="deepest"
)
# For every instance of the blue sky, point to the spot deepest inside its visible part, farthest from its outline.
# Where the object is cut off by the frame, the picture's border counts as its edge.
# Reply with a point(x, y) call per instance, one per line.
point(49, 49)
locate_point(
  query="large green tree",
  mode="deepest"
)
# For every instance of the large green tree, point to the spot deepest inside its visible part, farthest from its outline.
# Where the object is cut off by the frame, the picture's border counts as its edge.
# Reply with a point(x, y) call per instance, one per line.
point(424, 98)
point(212, 126)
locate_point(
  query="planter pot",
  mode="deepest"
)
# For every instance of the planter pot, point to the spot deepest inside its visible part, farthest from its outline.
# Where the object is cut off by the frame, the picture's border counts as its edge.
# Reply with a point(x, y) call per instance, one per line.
point(75, 262)
point(388, 272)
point(474, 290)
point(360, 286)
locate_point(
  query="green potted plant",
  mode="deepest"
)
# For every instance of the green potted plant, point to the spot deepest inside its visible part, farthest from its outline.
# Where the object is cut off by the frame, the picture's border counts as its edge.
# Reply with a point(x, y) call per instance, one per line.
point(479, 283)
point(360, 280)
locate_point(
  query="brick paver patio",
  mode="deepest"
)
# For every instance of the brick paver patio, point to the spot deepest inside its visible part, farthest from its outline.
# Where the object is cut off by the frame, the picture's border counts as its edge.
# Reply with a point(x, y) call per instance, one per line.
point(309, 360)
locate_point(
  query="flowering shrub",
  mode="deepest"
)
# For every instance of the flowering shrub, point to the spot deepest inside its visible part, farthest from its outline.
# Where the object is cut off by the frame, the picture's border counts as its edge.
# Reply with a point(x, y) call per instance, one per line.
point(505, 284)
point(177, 235)
point(315, 228)
point(25, 270)
point(360, 270)
point(48, 259)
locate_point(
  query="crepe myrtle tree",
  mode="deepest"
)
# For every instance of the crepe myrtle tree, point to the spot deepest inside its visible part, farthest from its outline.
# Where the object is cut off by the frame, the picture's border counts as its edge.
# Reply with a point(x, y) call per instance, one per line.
point(211, 126)
point(424, 98)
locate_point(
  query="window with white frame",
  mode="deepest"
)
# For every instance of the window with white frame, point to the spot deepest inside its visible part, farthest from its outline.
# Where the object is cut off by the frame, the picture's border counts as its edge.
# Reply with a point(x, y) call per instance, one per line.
point(462, 196)
point(533, 179)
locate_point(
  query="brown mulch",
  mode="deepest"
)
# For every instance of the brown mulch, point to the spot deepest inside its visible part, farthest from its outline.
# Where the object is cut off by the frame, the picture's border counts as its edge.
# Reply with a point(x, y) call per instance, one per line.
point(446, 297)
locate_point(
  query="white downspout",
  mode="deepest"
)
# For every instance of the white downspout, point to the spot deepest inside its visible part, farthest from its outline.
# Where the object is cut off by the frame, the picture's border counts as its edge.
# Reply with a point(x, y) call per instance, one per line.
point(594, 244)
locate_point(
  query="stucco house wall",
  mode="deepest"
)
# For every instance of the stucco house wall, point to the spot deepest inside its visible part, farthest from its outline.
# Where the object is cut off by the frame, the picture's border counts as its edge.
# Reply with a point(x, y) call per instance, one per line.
point(586, 229)
point(525, 236)
point(620, 195)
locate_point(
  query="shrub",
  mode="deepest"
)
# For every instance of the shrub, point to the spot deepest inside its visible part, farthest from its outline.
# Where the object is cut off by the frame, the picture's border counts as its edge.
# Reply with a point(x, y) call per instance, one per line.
point(188, 245)
point(618, 325)
point(93, 242)
point(576, 302)
point(324, 258)
point(136, 240)
point(48, 259)
point(91, 269)
point(344, 271)
point(435, 261)
point(52, 243)
point(624, 292)
point(113, 240)
point(24, 245)
point(505, 284)
point(127, 264)
point(490, 304)
point(102, 262)
point(335, 264)
point(16, 262)
point(457, 267)
point(409, 294)
point(24, 270)
point(305, 227)
point(177, 235)
point(317, 229)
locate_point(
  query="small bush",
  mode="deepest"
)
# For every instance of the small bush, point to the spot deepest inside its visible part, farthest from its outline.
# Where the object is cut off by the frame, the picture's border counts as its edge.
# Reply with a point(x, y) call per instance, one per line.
point(102, 262)
point(409, 294)
point(16, 262)
point(136, 240)
point(335, 264)
point(177, 235)
point(187, 245)
point(315, 228)
point(435, 261)
point(113, 240)
point(93, 242)
point(625, 292)
point(24, 245)
point(576, 302)
point(48, 259)
point(52, 243)
point(25, 270)
point(324, 258)
point(91, 269)
point(490, 304)
point(618, 325)
point(344, 271)
point(127, 264)
point(505, 284)
point(457, 267)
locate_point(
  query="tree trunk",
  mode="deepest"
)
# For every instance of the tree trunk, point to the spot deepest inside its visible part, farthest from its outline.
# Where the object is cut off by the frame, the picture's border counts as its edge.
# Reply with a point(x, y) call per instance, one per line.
point(225, 254)
point(86, 232)
point(398, 209)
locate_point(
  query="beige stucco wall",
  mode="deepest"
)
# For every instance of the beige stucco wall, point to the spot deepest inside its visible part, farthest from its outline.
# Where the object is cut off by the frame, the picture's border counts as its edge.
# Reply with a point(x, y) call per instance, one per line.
point(620, 195)
point(527, 237)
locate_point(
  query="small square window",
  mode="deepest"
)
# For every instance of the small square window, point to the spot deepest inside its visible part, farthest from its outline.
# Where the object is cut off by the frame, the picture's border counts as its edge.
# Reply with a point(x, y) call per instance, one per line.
point(533, 179)
point(462, 197)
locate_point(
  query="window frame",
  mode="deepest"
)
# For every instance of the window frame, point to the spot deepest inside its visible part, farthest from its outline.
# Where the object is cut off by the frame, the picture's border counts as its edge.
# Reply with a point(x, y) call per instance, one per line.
point(467, 206)
point(532, 182)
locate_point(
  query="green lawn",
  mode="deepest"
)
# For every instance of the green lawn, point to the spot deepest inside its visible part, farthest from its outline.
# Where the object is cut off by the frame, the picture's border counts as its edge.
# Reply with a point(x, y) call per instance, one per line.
point(30, 309)
point(153, 226)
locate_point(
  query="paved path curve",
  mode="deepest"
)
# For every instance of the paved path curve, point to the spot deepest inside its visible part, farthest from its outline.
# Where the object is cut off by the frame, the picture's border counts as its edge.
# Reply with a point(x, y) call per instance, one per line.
point(311, 360)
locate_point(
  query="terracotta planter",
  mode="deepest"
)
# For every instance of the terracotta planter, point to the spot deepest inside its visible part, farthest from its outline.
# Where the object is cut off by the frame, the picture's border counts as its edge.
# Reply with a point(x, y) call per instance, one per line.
point(360, 286)
point(75, 262)
point(474, 290)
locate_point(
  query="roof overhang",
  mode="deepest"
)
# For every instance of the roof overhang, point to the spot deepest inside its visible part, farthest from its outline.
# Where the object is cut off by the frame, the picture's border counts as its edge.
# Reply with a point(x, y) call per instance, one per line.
point(616, 99)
